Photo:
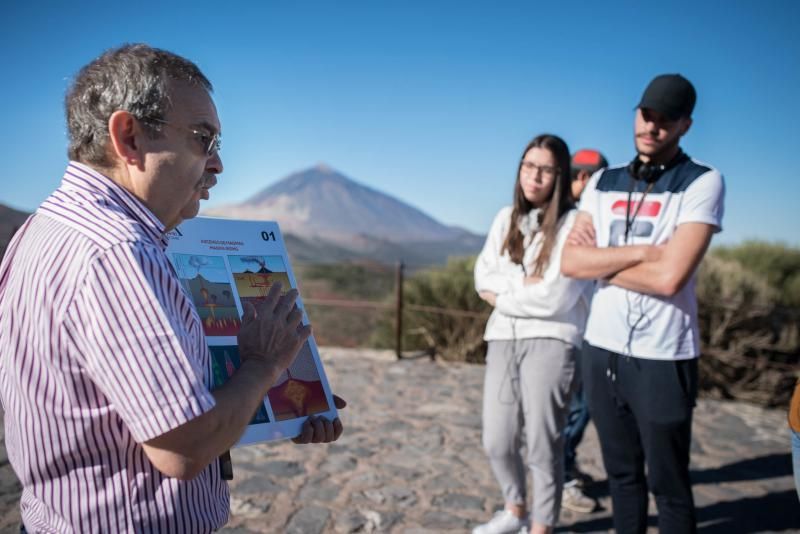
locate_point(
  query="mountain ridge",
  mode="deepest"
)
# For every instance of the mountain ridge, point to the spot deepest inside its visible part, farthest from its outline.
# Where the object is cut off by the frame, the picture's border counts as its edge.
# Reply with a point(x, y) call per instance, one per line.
point(320, 204)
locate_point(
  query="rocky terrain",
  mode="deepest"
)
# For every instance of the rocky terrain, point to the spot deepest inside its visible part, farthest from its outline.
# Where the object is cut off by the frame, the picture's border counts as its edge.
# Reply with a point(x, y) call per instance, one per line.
point(410, 462)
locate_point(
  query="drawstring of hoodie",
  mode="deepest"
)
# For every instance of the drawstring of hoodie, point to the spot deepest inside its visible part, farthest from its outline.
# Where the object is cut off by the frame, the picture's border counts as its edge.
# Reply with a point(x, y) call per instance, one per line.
point(511, 377)
point(529, 226)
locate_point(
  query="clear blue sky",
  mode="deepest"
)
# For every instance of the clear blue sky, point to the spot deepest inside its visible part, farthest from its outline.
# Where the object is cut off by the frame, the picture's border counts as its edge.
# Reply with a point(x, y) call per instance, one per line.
point(432, 101)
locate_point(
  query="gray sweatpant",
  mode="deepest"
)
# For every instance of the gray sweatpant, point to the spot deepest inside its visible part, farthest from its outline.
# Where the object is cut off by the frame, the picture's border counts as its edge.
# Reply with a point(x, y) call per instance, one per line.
point(528, 384)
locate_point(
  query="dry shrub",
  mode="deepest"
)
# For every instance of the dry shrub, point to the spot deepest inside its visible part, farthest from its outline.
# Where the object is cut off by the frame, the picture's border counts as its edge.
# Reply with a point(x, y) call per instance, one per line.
point(750, 341)
point(749, 322)
point(777, 263)
point(352, 327)
point(454, 337)
point(353, 281)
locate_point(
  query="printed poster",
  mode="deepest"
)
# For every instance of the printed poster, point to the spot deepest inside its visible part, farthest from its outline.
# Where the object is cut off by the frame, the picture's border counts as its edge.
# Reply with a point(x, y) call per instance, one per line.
point(222, 264)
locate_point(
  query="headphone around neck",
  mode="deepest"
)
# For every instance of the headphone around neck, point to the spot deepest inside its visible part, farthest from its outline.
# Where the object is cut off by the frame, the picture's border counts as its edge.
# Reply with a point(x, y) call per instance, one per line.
point(649, 172)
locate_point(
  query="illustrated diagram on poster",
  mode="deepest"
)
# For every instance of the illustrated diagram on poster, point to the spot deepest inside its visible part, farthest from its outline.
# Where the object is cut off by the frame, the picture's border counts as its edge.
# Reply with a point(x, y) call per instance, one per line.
point(298, 392)
point(224, 362)
point(206, 280)
point(224, 264)
point(255, 275)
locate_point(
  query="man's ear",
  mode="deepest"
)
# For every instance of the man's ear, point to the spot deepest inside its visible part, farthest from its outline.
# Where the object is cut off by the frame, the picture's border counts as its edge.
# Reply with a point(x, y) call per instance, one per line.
point(584, 175)
point(686, 125)
point(124, 132)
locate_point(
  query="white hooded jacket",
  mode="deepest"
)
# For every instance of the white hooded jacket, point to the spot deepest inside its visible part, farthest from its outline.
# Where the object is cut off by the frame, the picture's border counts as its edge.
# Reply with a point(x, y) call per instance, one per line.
point(556, 307)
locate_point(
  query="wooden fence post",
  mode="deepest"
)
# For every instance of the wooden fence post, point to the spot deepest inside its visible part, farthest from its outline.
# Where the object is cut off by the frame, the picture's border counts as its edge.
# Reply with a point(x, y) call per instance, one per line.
point(398, 283)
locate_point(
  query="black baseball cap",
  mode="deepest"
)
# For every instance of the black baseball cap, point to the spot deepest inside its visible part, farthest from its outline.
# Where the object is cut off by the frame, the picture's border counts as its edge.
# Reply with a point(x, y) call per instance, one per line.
point(670, 94)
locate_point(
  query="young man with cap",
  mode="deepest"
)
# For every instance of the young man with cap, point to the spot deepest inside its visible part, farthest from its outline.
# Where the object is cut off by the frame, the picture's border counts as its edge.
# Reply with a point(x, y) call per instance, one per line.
point(642, 230)
point(584, 164)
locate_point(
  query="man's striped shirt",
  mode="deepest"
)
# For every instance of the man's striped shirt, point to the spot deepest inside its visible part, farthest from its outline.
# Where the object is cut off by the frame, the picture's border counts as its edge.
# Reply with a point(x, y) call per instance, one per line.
point(100, 350)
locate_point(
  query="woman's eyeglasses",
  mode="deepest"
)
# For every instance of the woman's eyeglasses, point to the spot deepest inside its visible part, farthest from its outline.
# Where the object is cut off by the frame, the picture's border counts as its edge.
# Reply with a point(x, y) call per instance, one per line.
point(529, 167)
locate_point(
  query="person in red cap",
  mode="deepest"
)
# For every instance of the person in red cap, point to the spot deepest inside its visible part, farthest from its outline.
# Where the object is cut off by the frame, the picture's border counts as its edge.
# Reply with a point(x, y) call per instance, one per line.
point(584, 164)
point(641, 232)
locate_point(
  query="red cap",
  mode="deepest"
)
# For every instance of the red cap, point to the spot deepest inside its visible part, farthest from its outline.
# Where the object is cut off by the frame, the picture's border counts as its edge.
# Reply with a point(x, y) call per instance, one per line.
point(589, 160)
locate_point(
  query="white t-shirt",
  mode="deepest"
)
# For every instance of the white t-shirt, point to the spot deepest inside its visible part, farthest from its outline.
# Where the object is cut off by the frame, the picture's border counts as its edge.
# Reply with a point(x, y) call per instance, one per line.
point(632, 323)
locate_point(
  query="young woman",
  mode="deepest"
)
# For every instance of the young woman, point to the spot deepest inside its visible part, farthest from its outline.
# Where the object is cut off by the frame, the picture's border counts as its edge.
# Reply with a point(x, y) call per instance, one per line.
point(534, 335)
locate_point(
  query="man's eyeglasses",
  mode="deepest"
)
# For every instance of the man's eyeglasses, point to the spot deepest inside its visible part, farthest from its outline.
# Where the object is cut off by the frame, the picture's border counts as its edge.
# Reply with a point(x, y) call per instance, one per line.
point(529, 167)
point(211, 143)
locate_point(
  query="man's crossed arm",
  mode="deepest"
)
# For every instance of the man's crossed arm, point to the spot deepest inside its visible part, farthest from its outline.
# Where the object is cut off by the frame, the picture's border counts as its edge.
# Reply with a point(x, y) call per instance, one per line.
point(660, 270)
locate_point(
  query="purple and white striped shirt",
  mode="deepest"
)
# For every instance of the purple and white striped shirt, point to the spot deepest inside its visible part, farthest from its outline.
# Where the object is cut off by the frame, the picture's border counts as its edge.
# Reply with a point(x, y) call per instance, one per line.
point(100, 350)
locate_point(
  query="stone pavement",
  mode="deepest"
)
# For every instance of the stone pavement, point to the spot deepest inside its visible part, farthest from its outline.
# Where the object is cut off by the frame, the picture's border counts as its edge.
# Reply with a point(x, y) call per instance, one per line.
point(410, 462)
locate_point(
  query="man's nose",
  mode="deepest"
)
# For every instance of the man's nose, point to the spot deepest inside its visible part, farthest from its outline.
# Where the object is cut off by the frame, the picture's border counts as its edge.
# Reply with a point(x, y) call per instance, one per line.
point(653, 125)
point(214, 165)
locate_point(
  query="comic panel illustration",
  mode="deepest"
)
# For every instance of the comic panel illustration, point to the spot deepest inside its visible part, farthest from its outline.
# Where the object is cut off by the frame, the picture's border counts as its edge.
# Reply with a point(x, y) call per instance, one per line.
point(255, 275)
point(298, 391)
point(206, 280)
point(224, 362)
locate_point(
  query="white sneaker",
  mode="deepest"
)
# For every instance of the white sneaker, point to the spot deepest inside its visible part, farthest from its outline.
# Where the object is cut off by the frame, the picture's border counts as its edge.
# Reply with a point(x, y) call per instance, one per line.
point(572, 498)
point(503, 522)
point(578, 477)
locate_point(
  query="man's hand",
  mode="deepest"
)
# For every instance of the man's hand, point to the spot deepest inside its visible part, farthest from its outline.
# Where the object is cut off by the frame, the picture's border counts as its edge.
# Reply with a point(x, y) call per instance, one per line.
point(582, 233)
point(272, 334)
point(320, 430)
point(584, 260)
point(489, 297)
point(269, 341)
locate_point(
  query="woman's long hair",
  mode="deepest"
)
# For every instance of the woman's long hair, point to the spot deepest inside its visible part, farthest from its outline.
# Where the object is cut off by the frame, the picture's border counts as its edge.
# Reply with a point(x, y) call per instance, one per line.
point(550, 212)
